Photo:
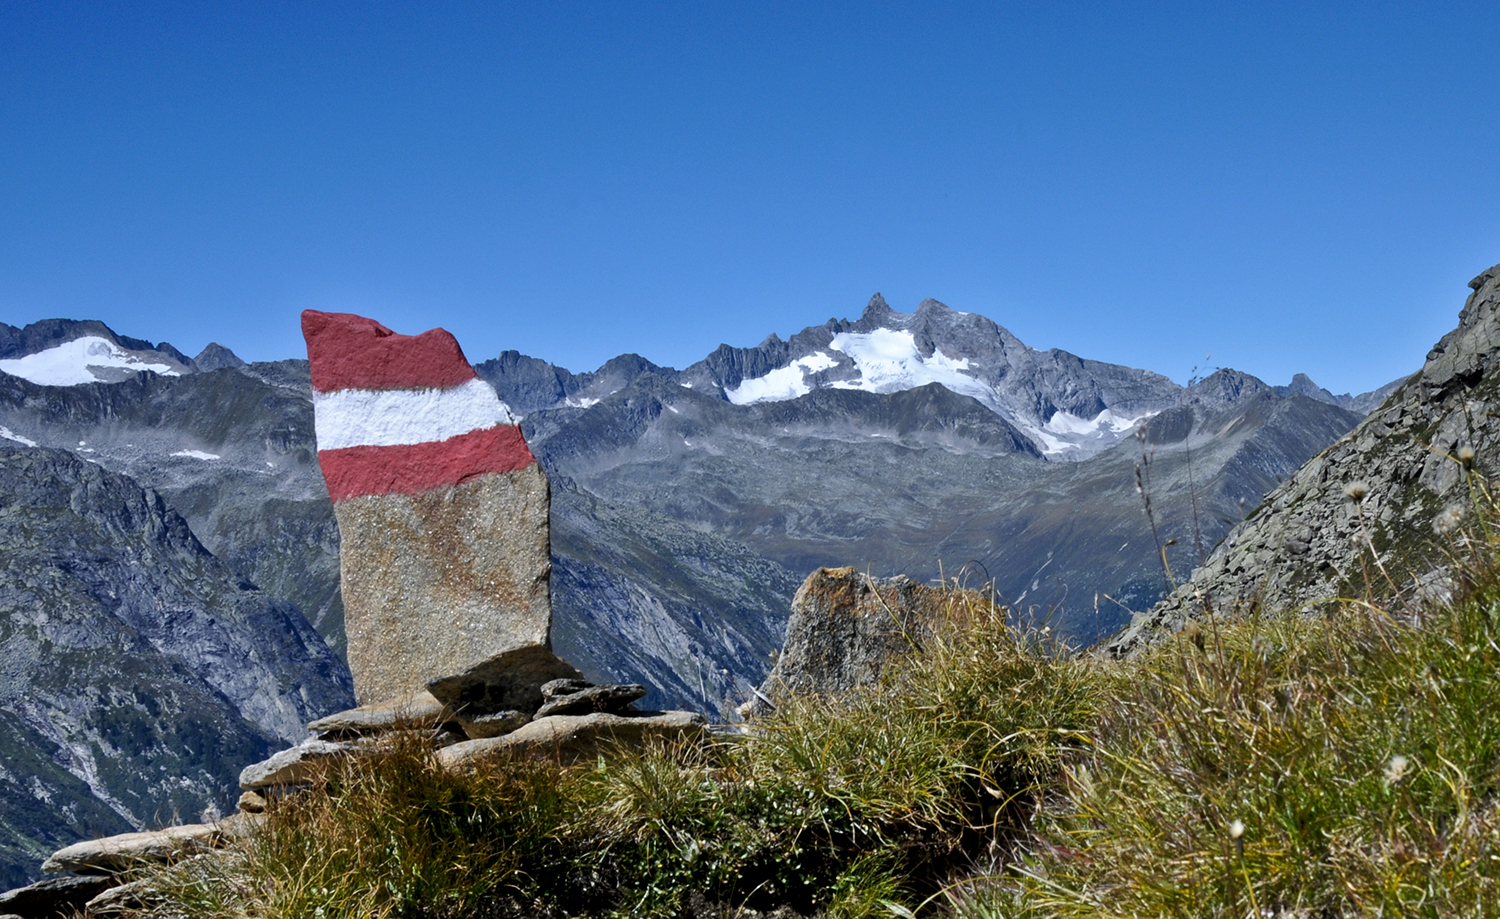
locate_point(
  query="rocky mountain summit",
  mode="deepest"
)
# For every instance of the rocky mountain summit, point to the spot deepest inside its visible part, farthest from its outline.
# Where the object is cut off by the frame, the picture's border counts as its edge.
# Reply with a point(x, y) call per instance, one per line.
point(1389, 495)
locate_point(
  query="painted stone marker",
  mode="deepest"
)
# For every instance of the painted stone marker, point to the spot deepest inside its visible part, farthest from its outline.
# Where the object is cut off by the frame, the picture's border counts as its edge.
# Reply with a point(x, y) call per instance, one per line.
point(445, 555)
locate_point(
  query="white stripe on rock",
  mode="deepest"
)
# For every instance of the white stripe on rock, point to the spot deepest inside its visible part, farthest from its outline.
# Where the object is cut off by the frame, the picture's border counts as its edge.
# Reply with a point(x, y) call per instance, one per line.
point(385, 418)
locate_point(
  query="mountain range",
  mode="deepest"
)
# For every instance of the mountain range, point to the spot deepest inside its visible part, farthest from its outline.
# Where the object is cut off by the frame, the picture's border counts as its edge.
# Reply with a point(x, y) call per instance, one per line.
point(165, 519)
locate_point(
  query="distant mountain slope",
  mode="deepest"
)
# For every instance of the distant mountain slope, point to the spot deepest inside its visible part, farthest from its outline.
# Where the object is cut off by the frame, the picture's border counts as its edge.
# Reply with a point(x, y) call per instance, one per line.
point(913, 481)
point(140, 673)
point(1310, 540)
point(231, 450)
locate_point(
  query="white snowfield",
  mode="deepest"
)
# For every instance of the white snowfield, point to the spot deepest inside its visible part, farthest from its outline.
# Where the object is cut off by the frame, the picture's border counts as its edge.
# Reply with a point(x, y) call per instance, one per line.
point(7, 434)
point(386, 418)
point(197, 455)
point(781, 384)
point(1106, 427)
point(69, 363)
point(888, 361)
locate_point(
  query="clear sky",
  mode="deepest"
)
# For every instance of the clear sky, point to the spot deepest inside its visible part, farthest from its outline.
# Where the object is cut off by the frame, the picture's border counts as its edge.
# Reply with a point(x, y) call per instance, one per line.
point(1286, 187)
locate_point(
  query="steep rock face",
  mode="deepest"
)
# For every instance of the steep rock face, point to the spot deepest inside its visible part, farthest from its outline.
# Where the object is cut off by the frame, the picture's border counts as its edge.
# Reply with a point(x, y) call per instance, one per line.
point(640, 597)
point(1383, 492)
point(231, 450)
point(134, 660)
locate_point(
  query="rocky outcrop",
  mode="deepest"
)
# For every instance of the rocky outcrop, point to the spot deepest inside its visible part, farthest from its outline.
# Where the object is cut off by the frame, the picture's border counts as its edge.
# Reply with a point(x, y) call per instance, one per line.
point(442, 509)
point(511, 680)
point(1389, 495)
point(63, 896)
point(116, 854)
point(416, 710)
point(571, 738)
point(295, 766)
point(846, 628)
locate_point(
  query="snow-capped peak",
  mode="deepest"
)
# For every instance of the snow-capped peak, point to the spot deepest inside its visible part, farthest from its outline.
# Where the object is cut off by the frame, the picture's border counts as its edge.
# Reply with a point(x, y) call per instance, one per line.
point(76, 362)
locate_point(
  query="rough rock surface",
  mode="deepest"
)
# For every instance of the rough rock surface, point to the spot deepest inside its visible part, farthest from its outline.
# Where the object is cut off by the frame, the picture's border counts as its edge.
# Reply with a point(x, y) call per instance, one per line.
point(445, 550)
point(496, 725)
point(587, 699)
point(569, 738)
point(509, 681)
point(295, 766)
point(140, 671)
point(414, 710)
point(53, 896)
point(440, 581)
point(846, 627)
point(1311, 541)
point(115, 854)
point(124, 900)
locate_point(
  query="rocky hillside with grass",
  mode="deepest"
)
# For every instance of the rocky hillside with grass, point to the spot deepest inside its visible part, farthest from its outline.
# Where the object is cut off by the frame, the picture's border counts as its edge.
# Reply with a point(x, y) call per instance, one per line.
point(1392, 495)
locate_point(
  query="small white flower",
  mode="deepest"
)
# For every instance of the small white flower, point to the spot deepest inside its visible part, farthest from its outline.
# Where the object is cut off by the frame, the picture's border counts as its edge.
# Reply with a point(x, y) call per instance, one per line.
point(1449, 520)
point(1356, 491)
point(1465, 456)
point(1396, 769)
point(1236, 829)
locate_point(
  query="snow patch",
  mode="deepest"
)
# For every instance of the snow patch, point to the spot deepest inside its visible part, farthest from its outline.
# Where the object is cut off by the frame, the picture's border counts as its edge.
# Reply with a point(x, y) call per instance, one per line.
point(197, 455)
point(71, 363)
point(781, 384)
point(888, 361)
point(581, 403)
point(674, 410)
point(8, 434)
point(1105, 421)
point(1065, 431)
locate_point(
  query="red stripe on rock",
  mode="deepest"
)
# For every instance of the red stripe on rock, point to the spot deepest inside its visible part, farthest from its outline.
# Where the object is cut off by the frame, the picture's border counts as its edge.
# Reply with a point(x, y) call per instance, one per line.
point(346, 351)
point(412, 468)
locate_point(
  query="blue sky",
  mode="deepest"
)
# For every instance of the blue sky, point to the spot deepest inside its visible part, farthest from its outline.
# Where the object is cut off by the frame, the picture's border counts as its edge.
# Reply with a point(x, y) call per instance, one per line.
point(1298, 187)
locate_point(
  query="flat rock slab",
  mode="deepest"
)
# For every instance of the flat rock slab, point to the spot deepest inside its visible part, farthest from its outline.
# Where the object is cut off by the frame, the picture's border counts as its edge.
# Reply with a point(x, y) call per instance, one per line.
point(570, 738)
point(496, 725)
point(509, 681)
point(54, 896)
point(593, 699)
point(115, 854)
point(445, 548)
point(297, 766)
point(412, 710)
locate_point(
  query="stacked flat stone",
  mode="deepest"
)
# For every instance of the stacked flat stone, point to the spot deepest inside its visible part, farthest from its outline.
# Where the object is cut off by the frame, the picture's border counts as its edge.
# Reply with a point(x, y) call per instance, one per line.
point(442, 510)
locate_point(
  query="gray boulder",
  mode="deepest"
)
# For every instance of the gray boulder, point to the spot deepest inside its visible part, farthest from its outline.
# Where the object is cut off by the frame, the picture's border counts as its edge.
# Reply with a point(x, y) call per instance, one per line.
point(845, 629)
point(614, 698)
point(413, 710)
point(496, 725)
point(509, 681)
point(297, 766)
point(570, 738)
point(116, 854)
point(54, 896)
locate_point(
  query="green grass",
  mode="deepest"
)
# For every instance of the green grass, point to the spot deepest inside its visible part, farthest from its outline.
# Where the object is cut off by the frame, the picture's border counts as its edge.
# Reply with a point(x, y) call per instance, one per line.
point(1347, 765)
point(833, 807)
point(1343, 766)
